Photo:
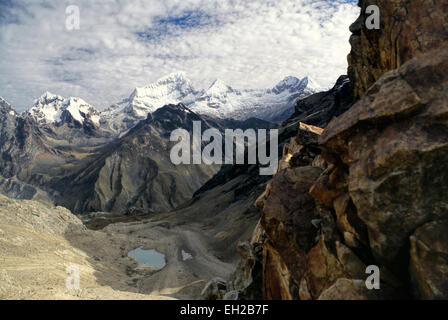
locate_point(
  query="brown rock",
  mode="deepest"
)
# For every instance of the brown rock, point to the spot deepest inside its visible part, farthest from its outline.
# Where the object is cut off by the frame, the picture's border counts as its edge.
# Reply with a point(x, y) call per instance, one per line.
point(286, 218)
point(408, 29)
point(429, 260)
point(395, 144)
point(289, 209)
point(330, 185)
point(258, 235)
point(348, 222)
point(323, 269)
point(303, 148)
point(245, 281)
point(327, 224)
point(304, 292)
point(319, 162)
point(349, 289)
point(277, 280)
point(352, 264)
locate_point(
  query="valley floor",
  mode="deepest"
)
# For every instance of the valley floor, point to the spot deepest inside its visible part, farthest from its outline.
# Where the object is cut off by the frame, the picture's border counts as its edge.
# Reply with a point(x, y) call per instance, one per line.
point(39, 242)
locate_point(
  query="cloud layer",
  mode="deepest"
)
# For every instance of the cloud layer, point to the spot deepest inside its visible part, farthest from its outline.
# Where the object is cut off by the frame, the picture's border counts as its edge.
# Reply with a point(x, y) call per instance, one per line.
point(124, 44)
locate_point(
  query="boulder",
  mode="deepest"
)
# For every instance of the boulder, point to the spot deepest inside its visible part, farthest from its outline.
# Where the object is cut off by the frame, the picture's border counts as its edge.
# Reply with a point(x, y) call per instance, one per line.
point(215, 289)
point(232, 295)
point(323, 268)
point(429, 260)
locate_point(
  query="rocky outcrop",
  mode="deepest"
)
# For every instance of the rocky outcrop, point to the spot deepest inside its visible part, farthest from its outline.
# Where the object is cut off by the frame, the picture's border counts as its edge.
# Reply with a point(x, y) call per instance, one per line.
point(408, 29)
point(429, 260)
point(381, 196)
point(289, 218)
point(305, 251)
point(320, 108)
point(245, 282)
point(287, 214)
point(394, 144)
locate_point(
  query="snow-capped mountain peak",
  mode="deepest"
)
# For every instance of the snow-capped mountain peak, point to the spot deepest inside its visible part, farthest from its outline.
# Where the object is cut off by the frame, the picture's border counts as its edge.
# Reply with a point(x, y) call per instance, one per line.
point(6, 107)
point(54, 109)
point(171, 89)
point(219, 100)
point(291, 84)
point(219, 88)
point(294, 84)
point(223, 101)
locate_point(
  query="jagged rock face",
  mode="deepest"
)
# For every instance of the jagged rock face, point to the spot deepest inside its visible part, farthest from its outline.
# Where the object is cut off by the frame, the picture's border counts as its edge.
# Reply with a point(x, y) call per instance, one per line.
point(245, 282)
point(382, 198)
point(429, 262)
point(19, 142)
point(394, 142)
point(286, 218)
point(320, 108)
point(310, 249)
point(288, 214)
point(408, 29)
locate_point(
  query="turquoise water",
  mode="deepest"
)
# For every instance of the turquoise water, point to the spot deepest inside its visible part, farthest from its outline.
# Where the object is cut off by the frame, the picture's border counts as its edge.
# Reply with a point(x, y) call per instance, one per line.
point(19, 199)
point(148, 258)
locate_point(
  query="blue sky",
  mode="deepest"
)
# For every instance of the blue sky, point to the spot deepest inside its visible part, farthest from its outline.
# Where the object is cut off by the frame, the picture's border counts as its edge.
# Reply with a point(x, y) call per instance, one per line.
point(125, 44)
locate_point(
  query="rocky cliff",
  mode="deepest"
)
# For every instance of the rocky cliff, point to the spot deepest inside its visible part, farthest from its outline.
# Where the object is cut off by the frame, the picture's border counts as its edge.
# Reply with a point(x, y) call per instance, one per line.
point(408, 29)
point(376, 192)
point(320, 108)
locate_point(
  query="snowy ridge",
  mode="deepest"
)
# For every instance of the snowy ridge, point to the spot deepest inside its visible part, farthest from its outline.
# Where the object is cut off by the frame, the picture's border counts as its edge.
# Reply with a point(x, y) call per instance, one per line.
point(219, 100)
point(172, 89)
point(53, 109)
point(276, 104)
point(6, 107)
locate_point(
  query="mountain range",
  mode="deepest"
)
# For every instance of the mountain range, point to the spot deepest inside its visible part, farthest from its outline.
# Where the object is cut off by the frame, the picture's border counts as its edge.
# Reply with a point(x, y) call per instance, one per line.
point(64, 151)
point(113, 165)
point(219, 101)
point(356, 211)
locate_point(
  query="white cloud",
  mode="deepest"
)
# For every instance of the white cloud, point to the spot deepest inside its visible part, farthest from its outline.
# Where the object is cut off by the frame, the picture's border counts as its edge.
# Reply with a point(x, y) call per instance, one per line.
point(124, 44)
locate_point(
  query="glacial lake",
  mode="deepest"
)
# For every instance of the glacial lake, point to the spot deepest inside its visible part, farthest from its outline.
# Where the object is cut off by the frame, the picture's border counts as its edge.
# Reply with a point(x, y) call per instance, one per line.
point(148, 258)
